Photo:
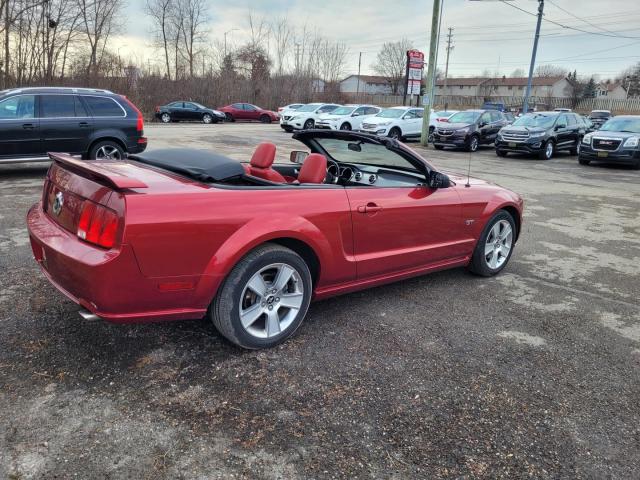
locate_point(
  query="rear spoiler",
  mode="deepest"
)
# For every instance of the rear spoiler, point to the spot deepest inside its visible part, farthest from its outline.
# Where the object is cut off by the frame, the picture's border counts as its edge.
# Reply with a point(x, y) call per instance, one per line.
point(111, 172)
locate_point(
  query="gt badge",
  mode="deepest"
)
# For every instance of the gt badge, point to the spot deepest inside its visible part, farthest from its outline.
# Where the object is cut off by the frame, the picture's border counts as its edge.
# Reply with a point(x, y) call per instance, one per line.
point(469, 222)
point(58, 203)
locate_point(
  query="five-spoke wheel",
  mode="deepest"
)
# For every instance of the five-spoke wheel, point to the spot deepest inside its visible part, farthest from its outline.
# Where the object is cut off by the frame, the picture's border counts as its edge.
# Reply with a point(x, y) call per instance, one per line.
point(495, 246)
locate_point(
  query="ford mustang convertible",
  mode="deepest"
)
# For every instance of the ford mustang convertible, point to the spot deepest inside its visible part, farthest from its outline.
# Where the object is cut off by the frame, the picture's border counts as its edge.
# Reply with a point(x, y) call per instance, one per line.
point(179, 233)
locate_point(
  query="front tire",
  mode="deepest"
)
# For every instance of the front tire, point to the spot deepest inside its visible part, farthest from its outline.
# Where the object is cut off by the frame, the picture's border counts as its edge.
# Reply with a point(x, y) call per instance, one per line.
point(473, 144)
point(431, 131)
point(229, 117)
point(583, 161)
point(439, 147)
point(501, 153)
point(106, 150)
point(309, 124)
point(206, 118)
point(547, 151)
point(265, 119)
point(345, 126)
point(395, 133)
point(495, 246)
point(264, 299)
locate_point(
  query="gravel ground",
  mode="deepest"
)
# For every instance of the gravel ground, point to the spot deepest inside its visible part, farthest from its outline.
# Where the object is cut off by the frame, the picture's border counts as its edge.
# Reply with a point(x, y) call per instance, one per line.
point(534, 373)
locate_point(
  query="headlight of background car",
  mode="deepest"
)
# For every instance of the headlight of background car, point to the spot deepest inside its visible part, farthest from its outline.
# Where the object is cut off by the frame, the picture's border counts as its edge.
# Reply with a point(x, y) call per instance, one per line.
point(384, 124)
point(462, 130)
point(536, 134)
point(632, 142)
point(587, 139)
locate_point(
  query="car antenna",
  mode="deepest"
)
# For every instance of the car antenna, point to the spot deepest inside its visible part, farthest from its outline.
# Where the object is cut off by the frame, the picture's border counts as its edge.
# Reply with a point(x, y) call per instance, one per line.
point(467, 185)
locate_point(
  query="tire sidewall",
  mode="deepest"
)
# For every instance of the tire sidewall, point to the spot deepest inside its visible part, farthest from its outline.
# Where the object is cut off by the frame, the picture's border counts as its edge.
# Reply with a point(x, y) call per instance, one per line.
point(205, 117)
point(478, 264)
point(228, 299)
point(308, 124)
point(546, 156)
point(345, 126)
point(474, 143)
point(398, 135)
point(165, 116)
point(265, 119)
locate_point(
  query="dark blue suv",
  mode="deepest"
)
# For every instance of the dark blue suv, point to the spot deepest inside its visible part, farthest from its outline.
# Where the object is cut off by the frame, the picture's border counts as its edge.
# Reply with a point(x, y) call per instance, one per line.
point(89, 122)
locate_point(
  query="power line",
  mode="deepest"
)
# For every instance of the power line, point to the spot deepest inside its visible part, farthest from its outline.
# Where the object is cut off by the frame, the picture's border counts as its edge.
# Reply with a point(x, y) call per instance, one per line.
point(581, 19)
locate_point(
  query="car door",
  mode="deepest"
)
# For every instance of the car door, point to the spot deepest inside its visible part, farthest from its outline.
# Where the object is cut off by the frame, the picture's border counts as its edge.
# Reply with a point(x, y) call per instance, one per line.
point(250, 111)
point(412, 122)
point(65, 125)
point(498, 121)
point(485, 128)
point(19, 127)
point(357, 116)
point(563, 132)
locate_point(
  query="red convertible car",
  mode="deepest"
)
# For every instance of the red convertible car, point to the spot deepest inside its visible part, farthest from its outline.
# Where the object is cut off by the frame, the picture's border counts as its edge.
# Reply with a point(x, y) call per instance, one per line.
point(178, 233)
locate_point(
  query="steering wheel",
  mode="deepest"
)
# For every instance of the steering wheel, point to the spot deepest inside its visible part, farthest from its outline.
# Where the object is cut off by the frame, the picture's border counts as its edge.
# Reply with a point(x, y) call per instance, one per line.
point(332, 176)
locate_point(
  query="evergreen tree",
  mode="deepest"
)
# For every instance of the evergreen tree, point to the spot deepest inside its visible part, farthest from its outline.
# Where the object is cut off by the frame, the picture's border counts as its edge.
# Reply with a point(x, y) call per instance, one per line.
point(590, 89)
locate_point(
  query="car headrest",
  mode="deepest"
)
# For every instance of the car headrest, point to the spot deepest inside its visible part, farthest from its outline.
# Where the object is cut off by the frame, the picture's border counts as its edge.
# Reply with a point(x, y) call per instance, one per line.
point(264, 155)
point(314, 169)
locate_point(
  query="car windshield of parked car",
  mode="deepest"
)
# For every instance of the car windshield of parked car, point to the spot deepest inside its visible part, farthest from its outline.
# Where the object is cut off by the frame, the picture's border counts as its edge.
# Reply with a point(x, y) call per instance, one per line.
point(629, 125)
point(464, 117)
point(308, 108)
point(444, 113)
point(343, 110)
point(391, 113)
point(542, 121)
point(368, 154)
point(600, 114)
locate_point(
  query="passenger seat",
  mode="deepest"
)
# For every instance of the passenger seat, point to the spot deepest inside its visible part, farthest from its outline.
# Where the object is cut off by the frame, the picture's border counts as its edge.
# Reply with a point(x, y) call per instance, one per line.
point(261, 161)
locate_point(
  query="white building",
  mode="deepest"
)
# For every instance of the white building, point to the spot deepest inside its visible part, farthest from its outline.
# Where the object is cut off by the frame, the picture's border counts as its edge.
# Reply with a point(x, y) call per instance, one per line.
point(465, 86)
point(559, 87)
point(367, 84)
point(614, 91)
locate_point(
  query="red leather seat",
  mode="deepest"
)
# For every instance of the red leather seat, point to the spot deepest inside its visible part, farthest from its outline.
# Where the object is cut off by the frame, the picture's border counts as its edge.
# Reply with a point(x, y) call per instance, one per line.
point(261, 161)
point(314, 169)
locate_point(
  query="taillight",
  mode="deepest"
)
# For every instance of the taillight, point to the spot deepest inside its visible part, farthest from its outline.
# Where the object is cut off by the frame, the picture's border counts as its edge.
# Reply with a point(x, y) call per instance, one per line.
point(97, 225)
point(445, 120)
point(140, 124)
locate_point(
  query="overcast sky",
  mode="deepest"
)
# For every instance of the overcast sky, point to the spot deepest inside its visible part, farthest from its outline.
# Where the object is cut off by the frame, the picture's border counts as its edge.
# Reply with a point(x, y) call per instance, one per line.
point(487, 34)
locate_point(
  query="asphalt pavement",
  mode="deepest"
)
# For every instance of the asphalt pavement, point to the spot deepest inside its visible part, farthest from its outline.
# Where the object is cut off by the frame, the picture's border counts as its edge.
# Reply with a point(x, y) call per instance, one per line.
point(534, 373)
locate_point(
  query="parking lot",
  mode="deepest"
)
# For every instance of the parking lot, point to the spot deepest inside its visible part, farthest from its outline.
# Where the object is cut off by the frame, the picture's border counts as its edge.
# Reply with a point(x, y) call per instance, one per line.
point(533, 373)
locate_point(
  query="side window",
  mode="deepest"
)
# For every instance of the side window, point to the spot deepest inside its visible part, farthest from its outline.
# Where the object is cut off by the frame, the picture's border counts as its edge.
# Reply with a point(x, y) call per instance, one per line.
point(562, 121)
point(361, 110)
point(104, 107)
point(175, 105)
point(327, 109)
point(417, 113)
point(485, 118)
point(237, 106)
point(409, 115)
point(496, 117)
point(57, 106)
point(572, 120)
point(189, 106)
point(21, 106)
point(80, 110)
point(373, 110)
point(248, 107)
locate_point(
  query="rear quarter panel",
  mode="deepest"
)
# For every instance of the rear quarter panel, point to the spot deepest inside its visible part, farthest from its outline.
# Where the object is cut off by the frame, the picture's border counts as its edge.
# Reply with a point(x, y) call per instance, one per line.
point(205, 233)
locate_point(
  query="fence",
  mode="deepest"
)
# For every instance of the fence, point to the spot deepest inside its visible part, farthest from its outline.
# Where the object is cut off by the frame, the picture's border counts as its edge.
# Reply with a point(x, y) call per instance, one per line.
point(459, 102)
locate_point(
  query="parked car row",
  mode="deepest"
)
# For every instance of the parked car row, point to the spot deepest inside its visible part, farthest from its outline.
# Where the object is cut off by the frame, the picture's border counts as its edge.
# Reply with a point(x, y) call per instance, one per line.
point(192, 111)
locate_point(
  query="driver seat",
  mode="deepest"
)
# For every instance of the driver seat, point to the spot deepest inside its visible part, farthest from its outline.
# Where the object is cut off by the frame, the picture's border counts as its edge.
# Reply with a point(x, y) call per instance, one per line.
point(261, 161)
point(314, 169)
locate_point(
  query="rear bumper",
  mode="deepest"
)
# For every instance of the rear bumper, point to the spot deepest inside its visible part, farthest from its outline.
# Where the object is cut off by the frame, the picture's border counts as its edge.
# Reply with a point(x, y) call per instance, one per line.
point(107, 283)
point(622, 156)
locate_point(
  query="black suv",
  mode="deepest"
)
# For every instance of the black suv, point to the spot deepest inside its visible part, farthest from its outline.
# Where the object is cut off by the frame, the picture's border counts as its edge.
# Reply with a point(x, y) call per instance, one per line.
point(617, 141)
point(542, 134)
point(185, 111)
point(83, 121)
point(469, 129)
point(598, 117)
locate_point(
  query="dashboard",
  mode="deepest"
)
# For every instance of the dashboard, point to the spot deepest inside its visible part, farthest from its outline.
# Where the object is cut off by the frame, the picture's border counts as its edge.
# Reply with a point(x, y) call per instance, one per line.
point(349, 174)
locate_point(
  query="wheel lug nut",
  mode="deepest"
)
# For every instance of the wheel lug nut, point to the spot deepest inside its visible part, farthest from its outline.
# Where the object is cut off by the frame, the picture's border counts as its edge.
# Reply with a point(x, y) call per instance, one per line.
point(277, 299)
point(270, 307)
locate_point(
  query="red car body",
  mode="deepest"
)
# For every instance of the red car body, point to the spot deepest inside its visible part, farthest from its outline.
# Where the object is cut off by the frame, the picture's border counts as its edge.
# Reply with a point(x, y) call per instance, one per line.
point(170, 241)
point(247, 111)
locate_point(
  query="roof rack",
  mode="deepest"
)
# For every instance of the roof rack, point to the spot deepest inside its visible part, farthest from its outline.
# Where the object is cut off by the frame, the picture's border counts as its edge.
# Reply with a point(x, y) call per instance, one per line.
point(65, 89)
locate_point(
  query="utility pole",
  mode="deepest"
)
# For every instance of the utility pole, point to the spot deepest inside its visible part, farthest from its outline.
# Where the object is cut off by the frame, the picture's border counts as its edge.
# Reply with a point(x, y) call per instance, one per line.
point(431, 71)
point(358, 84)
point(446, 67)
point(525, 105)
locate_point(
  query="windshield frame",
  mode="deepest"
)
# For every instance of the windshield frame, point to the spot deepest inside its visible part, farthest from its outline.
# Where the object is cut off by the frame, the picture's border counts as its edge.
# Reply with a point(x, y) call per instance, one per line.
point(527, 119)
point(401, 111)
point(475, 113)
point(335, 112)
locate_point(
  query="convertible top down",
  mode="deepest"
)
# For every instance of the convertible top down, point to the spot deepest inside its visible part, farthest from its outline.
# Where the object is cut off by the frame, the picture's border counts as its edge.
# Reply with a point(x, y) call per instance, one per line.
point(182, 233)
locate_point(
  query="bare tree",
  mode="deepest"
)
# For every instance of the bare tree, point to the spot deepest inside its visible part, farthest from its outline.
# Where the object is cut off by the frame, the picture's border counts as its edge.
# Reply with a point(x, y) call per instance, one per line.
point(97, 23)
point(391, 62)
point(161, 13)
point(193, 17)
point(518, 73)
point(282, 35)
point(331, 59)
point(550, 71)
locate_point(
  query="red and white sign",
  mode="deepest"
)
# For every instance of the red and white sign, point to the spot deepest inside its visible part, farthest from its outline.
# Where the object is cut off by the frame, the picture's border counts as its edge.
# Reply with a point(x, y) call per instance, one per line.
point(415, 64)
point(415, 58)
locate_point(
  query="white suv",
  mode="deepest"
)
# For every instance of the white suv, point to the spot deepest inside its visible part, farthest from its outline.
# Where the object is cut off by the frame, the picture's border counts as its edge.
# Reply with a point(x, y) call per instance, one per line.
point(306, 116)
point(395, 122)
point(349, 117)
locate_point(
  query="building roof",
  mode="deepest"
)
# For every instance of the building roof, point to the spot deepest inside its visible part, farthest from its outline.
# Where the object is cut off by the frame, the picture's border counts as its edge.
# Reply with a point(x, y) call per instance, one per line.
point(376, 79)
point(464, 81)
point(609, 86)
point(522, 81)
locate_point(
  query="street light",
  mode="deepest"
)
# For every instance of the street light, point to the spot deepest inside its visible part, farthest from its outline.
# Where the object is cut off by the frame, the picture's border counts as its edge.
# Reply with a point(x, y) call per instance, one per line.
point(525, 103)
point(225, 39)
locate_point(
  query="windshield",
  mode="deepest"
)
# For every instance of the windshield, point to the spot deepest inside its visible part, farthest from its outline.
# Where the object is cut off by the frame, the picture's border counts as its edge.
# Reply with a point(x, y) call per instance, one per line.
point(464, 117)
point(369, 154)
point(444, 113)
point(535, 120)
point(343, 111)
point(391, 113)
point(308, 108)
point(630, 125)
point(600, 115)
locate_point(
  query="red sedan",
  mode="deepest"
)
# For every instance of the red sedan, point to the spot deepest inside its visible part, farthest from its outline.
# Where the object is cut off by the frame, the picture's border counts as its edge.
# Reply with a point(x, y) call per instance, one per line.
point(246, 111)
point(178, 233)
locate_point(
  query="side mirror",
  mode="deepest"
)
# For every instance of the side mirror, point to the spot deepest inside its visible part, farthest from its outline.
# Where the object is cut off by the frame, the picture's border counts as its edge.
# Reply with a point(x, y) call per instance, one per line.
point(482, 124)
point(298, 156)
point(355, 114)
point(558, 127)
point(438, 180)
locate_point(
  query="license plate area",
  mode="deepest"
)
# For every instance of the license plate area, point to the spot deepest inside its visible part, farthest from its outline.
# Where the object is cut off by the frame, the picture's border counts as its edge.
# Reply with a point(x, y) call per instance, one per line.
point(512, 144)
point(603, 154)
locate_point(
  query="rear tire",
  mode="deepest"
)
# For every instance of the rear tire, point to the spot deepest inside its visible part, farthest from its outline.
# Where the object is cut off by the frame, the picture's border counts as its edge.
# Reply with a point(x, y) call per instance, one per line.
point(490, 255)
point(576, 149)
point(107, 150)
point(431, 130)
point(249, 307)
point(265, 119)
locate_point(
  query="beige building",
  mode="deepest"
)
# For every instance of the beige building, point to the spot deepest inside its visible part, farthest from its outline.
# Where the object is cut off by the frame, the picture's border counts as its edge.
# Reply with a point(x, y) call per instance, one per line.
point(614, 91)
point(464, 86)
point(559, 87)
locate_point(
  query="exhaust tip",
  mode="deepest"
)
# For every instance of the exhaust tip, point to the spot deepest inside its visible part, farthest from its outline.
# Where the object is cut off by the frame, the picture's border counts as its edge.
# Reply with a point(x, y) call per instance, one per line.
point(87, 315)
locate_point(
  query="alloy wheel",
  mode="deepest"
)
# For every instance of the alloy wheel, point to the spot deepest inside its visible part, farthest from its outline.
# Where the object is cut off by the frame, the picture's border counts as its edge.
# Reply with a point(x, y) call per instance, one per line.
point(345, 126)
point(548, 150)
point(166, 118)
point(271, 300)
point(108, 152)
point(206, 118)
point(473, 145)
point(498, 244)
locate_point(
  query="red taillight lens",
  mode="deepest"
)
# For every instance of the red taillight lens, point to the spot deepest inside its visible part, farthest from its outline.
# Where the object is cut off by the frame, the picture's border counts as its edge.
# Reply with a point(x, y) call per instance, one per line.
point(140, 124)
point(443, 120)
point(97, 225)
